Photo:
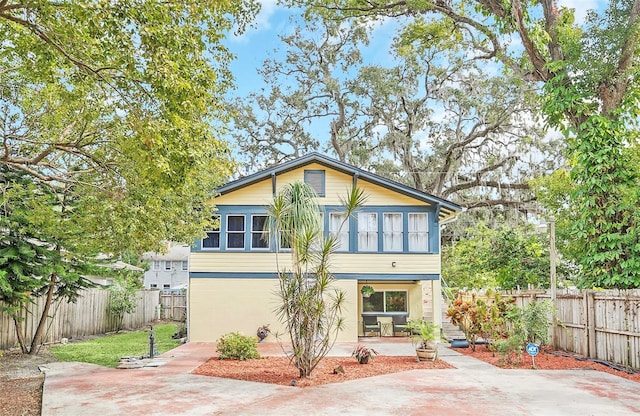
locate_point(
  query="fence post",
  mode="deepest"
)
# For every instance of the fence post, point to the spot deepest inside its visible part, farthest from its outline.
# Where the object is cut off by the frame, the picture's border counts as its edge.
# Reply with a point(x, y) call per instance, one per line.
point(591, 324)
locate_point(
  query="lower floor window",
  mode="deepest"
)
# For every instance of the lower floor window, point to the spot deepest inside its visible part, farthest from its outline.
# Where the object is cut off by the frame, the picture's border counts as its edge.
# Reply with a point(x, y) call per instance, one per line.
point(386, 301)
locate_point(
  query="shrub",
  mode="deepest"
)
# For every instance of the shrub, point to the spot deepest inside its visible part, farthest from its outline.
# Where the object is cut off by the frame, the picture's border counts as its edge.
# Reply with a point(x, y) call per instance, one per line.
point(363, 354)
point(529, 324)
point(237, 347)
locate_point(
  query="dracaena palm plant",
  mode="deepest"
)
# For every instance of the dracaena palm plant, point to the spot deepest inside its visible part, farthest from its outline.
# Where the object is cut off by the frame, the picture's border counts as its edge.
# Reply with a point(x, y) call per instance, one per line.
point(310, 305)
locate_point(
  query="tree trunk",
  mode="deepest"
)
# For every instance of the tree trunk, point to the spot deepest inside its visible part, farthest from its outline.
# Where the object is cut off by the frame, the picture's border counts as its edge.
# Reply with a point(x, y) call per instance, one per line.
point(20, 335)
point(45, 314)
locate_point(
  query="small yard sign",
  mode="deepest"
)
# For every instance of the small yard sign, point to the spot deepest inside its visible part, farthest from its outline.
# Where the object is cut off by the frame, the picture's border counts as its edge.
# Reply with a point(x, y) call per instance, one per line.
point(533, 350)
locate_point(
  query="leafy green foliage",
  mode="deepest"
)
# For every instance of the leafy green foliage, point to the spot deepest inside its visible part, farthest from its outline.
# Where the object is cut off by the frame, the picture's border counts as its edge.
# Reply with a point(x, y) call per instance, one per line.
point(122, 102)
point(34, 228)
point(122, 299)
point(486, 318)
point(606, 197)
point(108, 350)
point(526, 325)
point(310, 306)
point(234, 346)
point(589, 77)
point(424, 332)
point(504, 258)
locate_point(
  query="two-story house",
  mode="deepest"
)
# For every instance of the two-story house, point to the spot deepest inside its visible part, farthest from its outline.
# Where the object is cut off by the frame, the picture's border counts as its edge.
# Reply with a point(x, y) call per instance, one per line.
point(168, 270)
point(392, 244)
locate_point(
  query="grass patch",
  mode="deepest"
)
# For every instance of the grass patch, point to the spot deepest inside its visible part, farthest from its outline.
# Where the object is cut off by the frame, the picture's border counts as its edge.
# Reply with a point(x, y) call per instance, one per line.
point(108, 350)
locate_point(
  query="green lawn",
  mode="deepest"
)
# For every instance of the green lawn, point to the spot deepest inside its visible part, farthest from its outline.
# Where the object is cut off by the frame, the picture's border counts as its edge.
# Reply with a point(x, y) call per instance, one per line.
point(108, 350)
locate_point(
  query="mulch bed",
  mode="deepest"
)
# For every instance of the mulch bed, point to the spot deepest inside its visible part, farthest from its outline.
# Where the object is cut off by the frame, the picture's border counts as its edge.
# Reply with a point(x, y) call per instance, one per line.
point(546, 360)
point(279, 370)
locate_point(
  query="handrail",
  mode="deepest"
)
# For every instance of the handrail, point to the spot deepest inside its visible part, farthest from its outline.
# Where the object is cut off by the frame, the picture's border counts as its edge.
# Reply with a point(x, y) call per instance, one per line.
point(446, 291)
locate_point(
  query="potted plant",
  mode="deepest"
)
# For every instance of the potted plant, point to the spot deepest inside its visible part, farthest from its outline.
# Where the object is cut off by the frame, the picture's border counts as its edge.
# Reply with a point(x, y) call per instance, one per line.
point(367, 291)
point(262, 332)
point(363, 354)
point(424, 339)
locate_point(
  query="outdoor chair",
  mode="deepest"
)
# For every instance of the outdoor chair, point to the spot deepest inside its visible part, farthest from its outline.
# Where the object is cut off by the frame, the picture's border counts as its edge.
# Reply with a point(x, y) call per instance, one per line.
point(370, 323)
point(399, 323)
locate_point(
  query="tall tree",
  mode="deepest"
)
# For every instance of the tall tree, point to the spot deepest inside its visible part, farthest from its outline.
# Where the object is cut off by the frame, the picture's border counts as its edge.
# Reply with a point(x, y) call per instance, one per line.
point(590, 90)
point(116, 101)
point(431, 119)
point(37, 253)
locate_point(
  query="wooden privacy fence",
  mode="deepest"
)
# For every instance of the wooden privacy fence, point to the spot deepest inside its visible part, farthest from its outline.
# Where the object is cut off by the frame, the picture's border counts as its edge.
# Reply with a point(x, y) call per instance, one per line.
point(173, 305)
point(89, 315)
point(599, 324)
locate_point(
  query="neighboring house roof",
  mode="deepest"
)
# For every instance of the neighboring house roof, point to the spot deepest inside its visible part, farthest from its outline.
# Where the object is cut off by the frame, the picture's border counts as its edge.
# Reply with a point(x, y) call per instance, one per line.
point(175, 253)
point(447, 209)
point(119, 265)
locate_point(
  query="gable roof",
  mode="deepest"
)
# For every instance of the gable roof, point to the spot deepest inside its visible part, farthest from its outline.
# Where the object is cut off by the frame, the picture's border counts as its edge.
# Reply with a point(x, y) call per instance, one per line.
point(447, 209)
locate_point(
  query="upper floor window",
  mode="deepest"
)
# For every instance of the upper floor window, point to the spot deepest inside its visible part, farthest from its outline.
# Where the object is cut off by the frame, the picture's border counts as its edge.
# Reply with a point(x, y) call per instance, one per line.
point(259, 233)
point(339, 228)
point(185, 265)
point(392, 232)
point(367, 231)
point(167, 265)
point(418, 232)
point(213, 235)
point(315, 179)
point(235, 231)
point(156, 265)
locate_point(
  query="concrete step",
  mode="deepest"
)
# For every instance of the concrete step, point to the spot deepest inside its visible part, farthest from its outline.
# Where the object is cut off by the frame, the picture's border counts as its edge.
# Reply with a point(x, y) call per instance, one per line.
point(449, 330)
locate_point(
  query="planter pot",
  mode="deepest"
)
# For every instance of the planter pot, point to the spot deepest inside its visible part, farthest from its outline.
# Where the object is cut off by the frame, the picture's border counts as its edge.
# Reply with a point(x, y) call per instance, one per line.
point(426, 354)
point(363, 360)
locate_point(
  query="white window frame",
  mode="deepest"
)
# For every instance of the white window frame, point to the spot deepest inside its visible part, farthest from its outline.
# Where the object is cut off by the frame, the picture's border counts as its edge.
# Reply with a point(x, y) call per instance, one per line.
point(185, 265)
point(368, 232)
point(337, 220)
point(415, 235)
point(156, 265)
point(244, 230)
point(213, 231)
point(260, 232)
point(392, 239)
point(167, 265)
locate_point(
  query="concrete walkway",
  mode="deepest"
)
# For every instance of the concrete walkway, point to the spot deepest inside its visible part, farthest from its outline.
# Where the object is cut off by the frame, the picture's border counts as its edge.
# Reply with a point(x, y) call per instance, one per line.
point(472, 388)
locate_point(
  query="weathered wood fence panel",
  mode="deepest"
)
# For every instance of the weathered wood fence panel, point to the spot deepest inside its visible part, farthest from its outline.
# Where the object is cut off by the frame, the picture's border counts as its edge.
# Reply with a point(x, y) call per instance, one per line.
point(599, 324)
point(89, 315)
point(173, 305)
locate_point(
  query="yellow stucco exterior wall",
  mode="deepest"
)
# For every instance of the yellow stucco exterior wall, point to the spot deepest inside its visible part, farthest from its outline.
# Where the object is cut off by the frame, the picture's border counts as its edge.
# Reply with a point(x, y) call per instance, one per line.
point(337, 185)
point(261, 262)
point(220, 306)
